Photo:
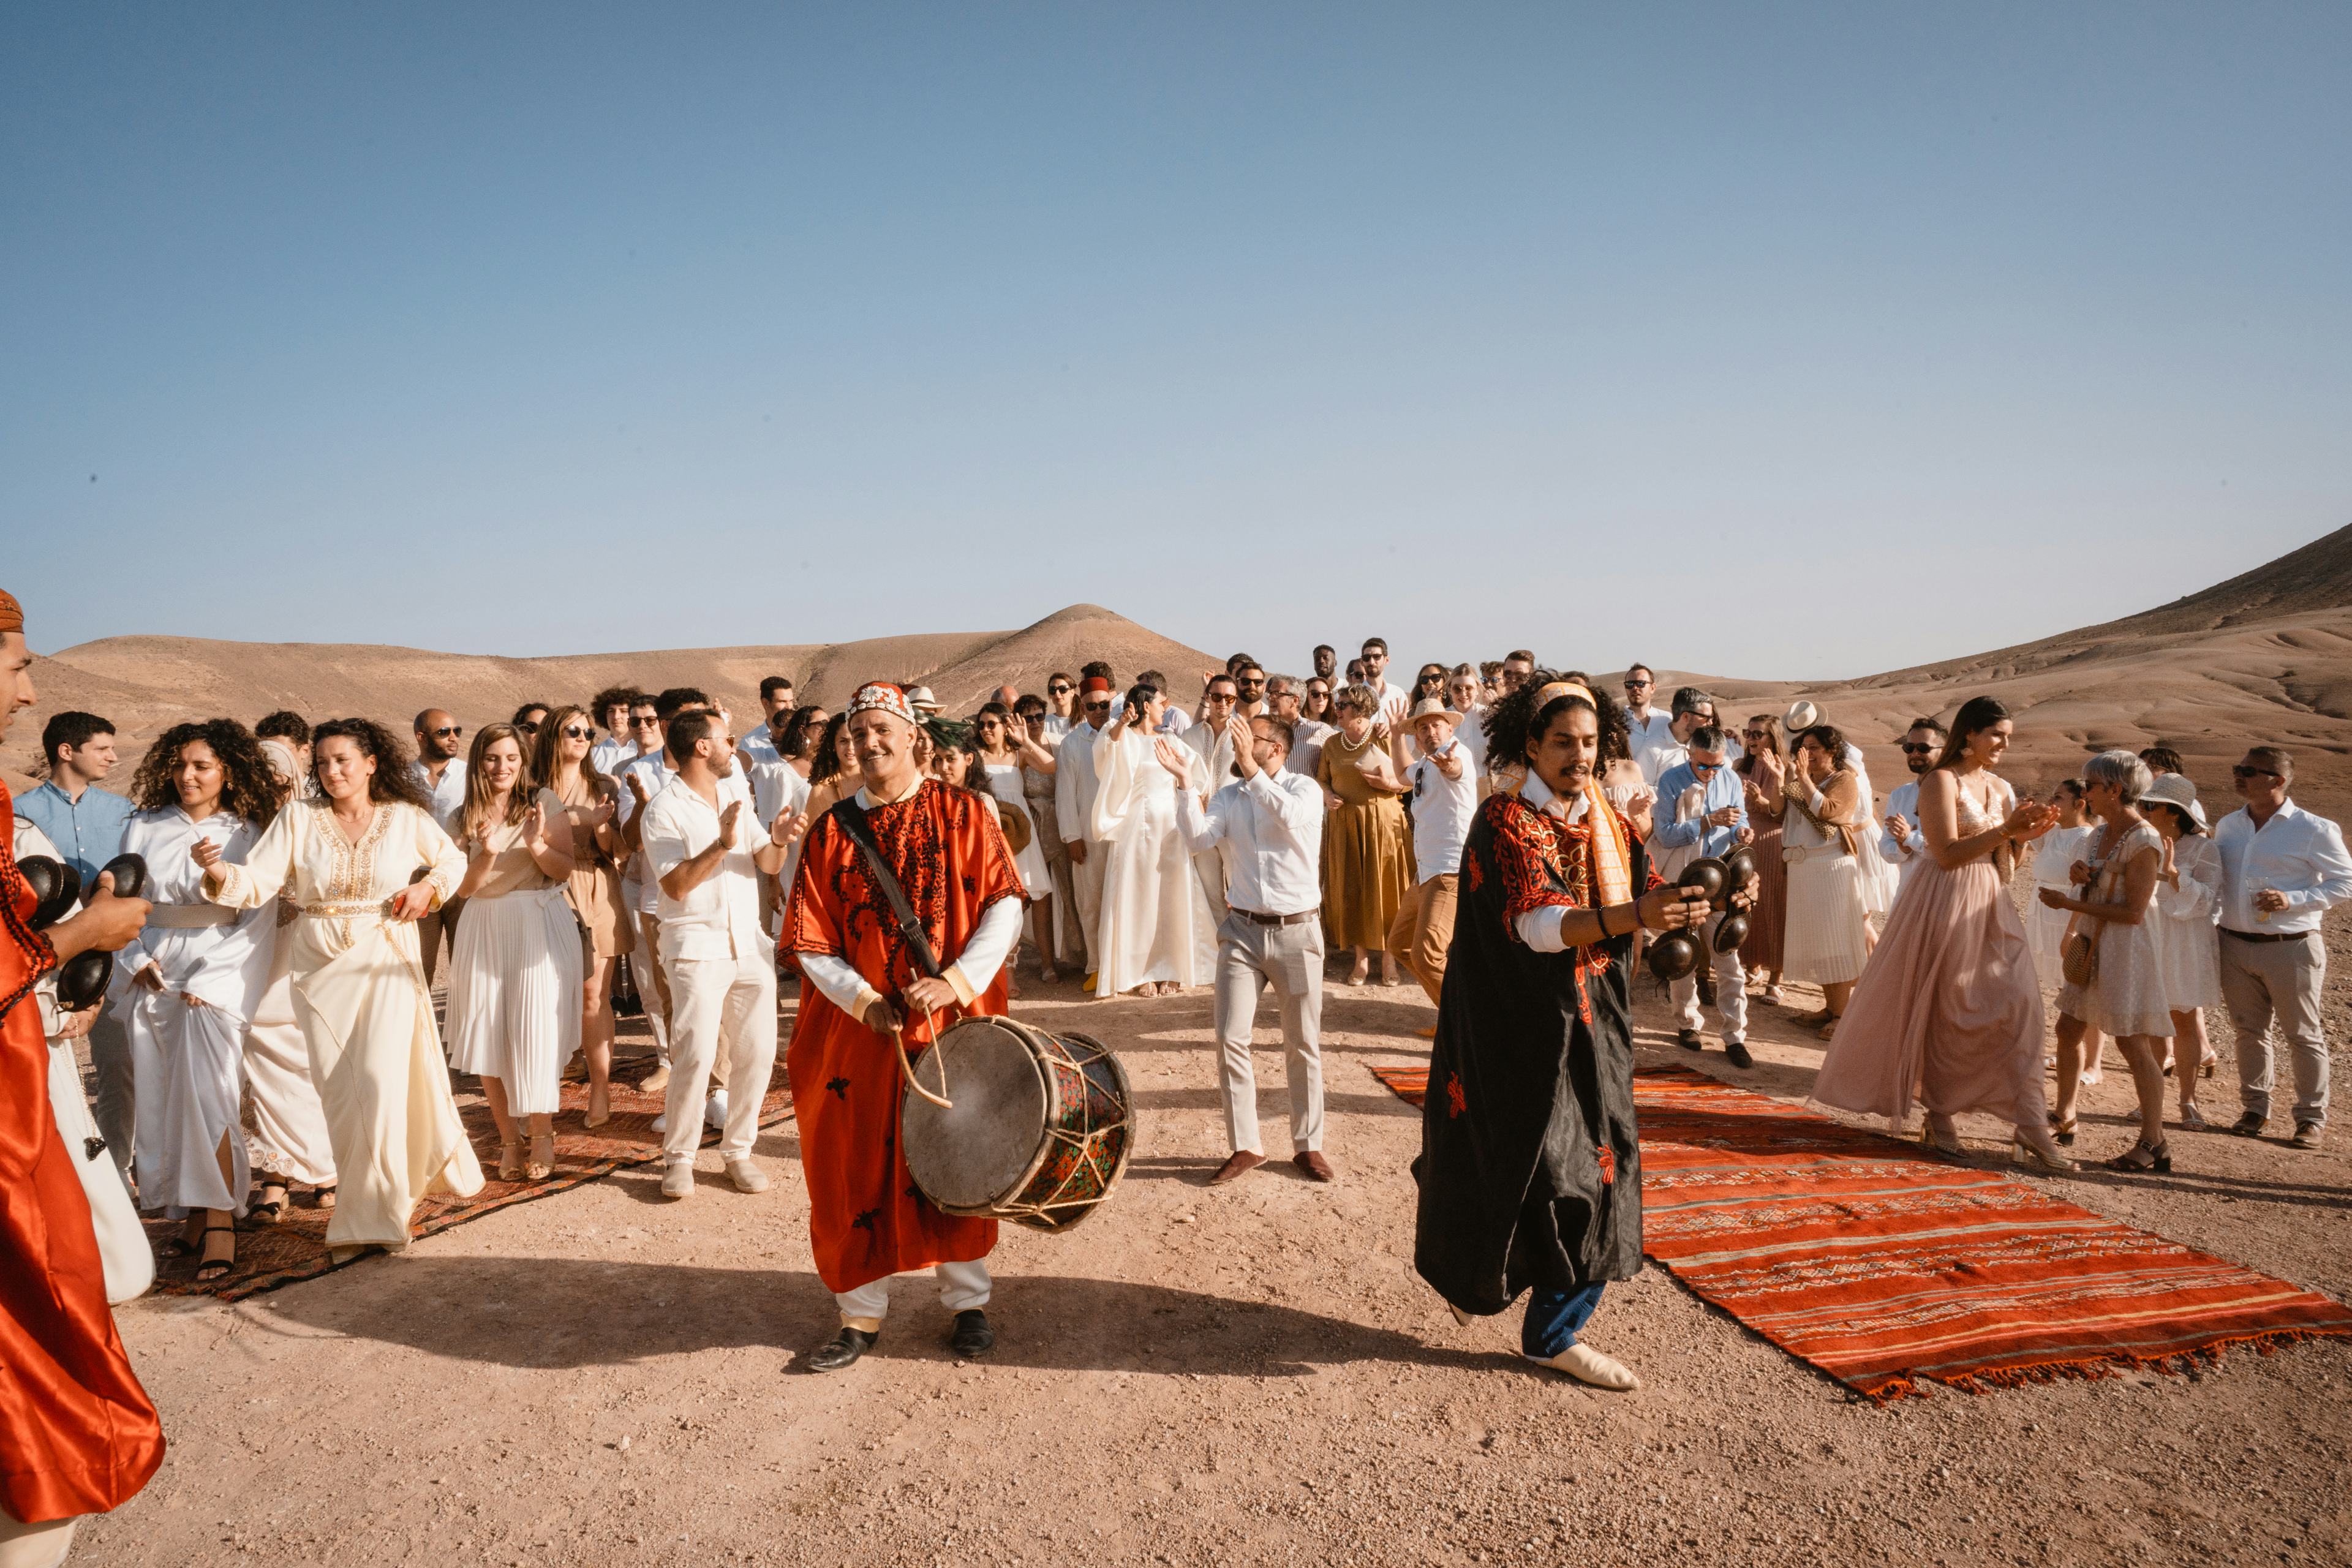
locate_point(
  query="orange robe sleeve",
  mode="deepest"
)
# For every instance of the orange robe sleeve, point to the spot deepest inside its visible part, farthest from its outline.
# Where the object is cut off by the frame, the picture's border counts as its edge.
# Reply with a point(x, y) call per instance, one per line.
point(78, 1435)
point(867, 1219)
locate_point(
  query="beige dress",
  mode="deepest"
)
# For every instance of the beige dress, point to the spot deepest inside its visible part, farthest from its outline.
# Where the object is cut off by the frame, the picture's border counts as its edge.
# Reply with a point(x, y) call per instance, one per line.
point(1367, 869)
point(360, 997)
point(596, 880)
point(515, 975)
point(1826, 936)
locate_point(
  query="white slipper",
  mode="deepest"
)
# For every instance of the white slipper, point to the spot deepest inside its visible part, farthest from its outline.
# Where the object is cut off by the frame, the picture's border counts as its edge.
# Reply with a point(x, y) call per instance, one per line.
point(1586, 1365)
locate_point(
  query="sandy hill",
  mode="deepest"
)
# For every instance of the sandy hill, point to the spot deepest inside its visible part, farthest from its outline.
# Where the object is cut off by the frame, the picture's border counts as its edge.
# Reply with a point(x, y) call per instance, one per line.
point(2266, 656)
point(145, 684)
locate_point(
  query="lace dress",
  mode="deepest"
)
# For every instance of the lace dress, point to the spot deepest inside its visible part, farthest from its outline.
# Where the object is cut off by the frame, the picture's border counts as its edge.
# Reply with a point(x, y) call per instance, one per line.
point(2128, 997)
point(1948, 1014)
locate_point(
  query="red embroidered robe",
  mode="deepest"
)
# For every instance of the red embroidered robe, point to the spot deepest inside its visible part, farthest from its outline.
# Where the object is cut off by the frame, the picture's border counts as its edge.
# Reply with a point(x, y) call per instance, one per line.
point(868, 1220)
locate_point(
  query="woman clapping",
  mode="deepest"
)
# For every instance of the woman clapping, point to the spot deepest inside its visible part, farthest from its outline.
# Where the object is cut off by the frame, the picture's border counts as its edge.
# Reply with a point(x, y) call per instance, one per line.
point(515, 971)
point(591, 810)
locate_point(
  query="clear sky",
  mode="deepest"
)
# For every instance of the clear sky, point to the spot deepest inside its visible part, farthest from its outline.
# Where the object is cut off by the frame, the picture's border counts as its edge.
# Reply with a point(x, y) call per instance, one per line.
point(1772, 340)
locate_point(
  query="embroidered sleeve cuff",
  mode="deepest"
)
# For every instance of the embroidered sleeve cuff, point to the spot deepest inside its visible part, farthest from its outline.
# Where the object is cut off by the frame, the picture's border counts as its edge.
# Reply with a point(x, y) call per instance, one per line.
point(954, 976)
point(232, 887)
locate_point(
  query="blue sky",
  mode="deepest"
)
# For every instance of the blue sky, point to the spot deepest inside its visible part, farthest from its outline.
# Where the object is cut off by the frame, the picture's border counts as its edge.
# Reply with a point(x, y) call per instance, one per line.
point(1769, 341)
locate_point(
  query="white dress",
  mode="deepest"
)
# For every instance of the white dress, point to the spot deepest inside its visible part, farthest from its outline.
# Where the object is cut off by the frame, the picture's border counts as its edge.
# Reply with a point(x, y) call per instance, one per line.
point(2185, 934)
point(1005, 784)
point(2054, 854)
point(367, 1019)
point(187, 1060)
point(1154, 924)
point(515, 977)
point(2127, 997)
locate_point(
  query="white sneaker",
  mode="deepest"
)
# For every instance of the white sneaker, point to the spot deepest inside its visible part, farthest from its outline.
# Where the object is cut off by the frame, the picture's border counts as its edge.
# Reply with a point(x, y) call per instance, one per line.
point(747, 1177)
point(1586, 1365)
point(678, 1181)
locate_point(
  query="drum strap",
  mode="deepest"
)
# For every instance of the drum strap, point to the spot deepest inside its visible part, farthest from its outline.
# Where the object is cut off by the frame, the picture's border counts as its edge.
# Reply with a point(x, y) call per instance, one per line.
point(919, 941)
point(861, 833)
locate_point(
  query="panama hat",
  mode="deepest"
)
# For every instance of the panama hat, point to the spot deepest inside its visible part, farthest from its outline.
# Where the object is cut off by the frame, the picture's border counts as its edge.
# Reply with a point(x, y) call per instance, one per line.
point(1431, 707)
point(2175, 790)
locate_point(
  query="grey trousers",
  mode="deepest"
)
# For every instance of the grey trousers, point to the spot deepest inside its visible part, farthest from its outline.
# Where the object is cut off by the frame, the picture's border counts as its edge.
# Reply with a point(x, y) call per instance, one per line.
point(115, 1106)
point(1250, 957)
point(2267, 981)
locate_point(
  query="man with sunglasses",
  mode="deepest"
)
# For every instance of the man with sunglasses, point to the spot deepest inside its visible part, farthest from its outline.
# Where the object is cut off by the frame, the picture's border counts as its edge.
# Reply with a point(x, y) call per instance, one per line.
point(1649, 733)
point(2282, 869)
point(1249, 682)
point(1075, 785)
point(1900, 842)
point(442, 772)
point(1702, 811)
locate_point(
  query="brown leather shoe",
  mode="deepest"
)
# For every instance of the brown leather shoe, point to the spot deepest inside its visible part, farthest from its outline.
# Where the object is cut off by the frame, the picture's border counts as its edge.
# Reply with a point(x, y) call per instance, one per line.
point(1316, 1167)
point(1243, 1162)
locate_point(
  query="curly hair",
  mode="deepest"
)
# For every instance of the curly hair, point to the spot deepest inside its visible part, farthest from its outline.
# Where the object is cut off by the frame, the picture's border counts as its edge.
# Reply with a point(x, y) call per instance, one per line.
point(1516, 723)
point(392, 783)
point(249, 788)
point(825, 763)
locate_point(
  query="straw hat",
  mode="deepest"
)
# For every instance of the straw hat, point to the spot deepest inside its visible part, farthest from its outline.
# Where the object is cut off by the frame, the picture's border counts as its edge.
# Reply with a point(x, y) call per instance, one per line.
point(2175, 790)
point(1801, 716)
point(920, 700)
point(1431, 707)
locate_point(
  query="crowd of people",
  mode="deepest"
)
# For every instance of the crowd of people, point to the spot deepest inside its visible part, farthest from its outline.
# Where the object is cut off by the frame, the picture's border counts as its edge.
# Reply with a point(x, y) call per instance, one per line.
point(271, 1026)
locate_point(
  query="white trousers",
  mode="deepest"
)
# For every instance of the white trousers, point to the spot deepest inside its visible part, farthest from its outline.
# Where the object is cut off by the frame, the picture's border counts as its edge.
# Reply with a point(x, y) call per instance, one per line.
point(1088, 878)
point(1730, 989)
point(35, 1545)
point(962, 1286)
point(722, 1022)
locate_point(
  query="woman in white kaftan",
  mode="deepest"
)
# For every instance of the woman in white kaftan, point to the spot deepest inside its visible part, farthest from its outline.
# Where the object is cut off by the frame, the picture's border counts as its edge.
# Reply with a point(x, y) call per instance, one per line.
point(285, 1135)
point(184, 988)
point(358, 983)
point(1154, 933)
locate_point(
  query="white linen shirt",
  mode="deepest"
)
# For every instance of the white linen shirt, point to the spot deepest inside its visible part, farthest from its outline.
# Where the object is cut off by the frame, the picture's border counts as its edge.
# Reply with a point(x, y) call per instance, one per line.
point(719, 917)
point(652, 767)
point(449, 796)
point(1903, 800)
point(1651, 742)
point(1272, 827)
point(1075, 782)
point(2297, 854)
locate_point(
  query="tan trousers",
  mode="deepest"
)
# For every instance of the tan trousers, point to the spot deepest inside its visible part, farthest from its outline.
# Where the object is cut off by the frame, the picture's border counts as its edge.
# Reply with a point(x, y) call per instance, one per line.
point(1424, 930)
point(653, 983)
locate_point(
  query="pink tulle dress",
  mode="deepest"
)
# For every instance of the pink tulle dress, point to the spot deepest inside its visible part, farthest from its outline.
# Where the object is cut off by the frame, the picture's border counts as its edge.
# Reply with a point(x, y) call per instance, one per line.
point(1948, 1012)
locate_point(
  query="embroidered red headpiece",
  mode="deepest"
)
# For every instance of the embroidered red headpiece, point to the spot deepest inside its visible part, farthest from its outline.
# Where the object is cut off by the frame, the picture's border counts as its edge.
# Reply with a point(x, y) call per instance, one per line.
point(12, 614)
point(881, 696)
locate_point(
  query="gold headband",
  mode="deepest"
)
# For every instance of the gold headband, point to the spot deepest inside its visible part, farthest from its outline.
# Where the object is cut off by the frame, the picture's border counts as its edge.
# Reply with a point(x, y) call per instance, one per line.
point(1547, 692)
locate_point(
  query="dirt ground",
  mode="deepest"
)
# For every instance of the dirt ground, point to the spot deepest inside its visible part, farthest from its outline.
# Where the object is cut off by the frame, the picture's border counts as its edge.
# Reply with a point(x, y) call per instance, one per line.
point(1245, 1376)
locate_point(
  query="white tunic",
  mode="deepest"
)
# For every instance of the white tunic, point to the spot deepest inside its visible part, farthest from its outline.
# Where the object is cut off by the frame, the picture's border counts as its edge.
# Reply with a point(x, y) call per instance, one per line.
point(1155, 923)
point(2187, 946)
point(187, 1058)
point(1005, 784)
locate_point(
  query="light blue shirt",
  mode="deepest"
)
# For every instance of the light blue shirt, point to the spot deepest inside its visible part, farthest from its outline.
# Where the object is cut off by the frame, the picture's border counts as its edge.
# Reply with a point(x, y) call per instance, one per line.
point(88, 831)
point(1722, 790)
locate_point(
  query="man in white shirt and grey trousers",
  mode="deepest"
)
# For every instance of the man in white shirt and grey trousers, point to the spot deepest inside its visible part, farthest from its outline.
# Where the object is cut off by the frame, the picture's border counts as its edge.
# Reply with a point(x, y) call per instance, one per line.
point(1270, 821)
point(703, 847)
point(2282, 869)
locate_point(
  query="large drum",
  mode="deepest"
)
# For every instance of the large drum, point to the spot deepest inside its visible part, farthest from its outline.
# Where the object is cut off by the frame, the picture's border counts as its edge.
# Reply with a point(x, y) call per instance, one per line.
point(1038, 1131)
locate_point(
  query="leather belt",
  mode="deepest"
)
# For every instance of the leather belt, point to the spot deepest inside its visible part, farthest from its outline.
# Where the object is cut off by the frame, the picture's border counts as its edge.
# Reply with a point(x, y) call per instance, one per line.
point(1300, 919)
point(2268, 935)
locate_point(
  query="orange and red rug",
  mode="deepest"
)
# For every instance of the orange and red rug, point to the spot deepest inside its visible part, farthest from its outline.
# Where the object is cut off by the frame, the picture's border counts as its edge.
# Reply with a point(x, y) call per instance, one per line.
point(1885, 1266)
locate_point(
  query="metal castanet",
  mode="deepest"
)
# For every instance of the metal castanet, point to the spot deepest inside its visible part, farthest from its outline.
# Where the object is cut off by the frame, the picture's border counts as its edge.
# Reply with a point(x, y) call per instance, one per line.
point(56, 888)
point(1007, 1122)
point(1673, 955)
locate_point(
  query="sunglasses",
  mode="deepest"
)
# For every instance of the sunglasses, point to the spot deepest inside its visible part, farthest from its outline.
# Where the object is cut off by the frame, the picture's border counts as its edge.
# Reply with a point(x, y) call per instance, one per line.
point(643, 721)
point(1058, 690)
point(1908, 749)
point(2243, 772)
point(1754, 735)
point(452, 731)
point(528, 726)
point(1246, 683)
point(1098, 704)
point(1699, 767)
point(574, 732)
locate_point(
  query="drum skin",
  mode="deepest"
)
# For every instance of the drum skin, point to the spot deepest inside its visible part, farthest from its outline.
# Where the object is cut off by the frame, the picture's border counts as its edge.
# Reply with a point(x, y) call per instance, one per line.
point(1039, 1131)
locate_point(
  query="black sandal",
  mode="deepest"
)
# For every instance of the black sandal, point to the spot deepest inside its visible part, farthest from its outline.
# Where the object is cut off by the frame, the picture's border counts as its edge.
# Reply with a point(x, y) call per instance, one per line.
point(269, 1210)
point(2141, 1157)
point(214, 1268)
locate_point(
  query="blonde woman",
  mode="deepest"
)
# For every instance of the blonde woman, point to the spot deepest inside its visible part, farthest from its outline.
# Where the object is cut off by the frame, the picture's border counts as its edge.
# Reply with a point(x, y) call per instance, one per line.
point(349, 862)
point(514, 973)
point(591, 812)
point(1366, 869)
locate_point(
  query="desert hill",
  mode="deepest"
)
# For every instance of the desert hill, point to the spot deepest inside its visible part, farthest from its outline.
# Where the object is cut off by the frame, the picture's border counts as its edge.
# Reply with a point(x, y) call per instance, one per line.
point(2264, 656)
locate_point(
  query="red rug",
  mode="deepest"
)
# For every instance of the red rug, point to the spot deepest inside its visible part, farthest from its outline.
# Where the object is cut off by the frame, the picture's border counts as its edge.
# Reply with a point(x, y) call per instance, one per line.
point(1886, 1267)
point(296, 1248)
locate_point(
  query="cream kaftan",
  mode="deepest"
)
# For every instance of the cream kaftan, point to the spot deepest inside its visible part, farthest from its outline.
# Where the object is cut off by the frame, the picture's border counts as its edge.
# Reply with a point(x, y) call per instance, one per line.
point(1154, 924)
point(359, 995)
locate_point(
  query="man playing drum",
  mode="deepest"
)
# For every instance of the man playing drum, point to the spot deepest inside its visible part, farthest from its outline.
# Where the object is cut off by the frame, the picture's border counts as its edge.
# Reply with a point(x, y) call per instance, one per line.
point(868, 1220)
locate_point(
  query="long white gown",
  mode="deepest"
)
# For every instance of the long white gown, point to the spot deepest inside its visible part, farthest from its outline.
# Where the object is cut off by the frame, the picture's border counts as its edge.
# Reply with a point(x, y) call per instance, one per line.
point(359, 993)
point(515, 977)
point(1005, 784)
point(2187, 941)
point(1154, 925)
point(187, 1060)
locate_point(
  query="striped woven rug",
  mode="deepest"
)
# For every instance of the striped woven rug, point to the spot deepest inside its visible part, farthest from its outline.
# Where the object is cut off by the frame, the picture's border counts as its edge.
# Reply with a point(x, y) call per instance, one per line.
point(1886, 1267)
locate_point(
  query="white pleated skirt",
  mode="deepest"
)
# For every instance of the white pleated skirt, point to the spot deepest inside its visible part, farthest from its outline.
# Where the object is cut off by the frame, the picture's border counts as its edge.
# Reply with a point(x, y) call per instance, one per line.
point(514, 995)
point(1828, 936)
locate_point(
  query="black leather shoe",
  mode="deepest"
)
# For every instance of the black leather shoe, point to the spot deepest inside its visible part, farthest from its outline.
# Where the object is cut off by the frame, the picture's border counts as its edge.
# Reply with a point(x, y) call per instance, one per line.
point(1736, 1052)
point(840, 1350)
point(973, 1336)
point(1690, 1040)
point(2250, 1125)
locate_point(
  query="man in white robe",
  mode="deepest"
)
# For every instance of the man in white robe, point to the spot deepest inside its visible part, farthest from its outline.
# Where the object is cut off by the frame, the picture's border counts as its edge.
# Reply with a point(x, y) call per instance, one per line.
point(1074, 808)
point(1154, 933)
point(1211, 741)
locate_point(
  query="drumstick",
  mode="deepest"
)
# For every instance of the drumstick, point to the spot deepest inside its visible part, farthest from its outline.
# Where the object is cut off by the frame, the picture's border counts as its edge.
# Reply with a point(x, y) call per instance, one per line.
point(907, 1068)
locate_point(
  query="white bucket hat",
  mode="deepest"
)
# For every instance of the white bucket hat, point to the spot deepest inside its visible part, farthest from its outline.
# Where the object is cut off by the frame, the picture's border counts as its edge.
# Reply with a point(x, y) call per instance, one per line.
point(2175, 790)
